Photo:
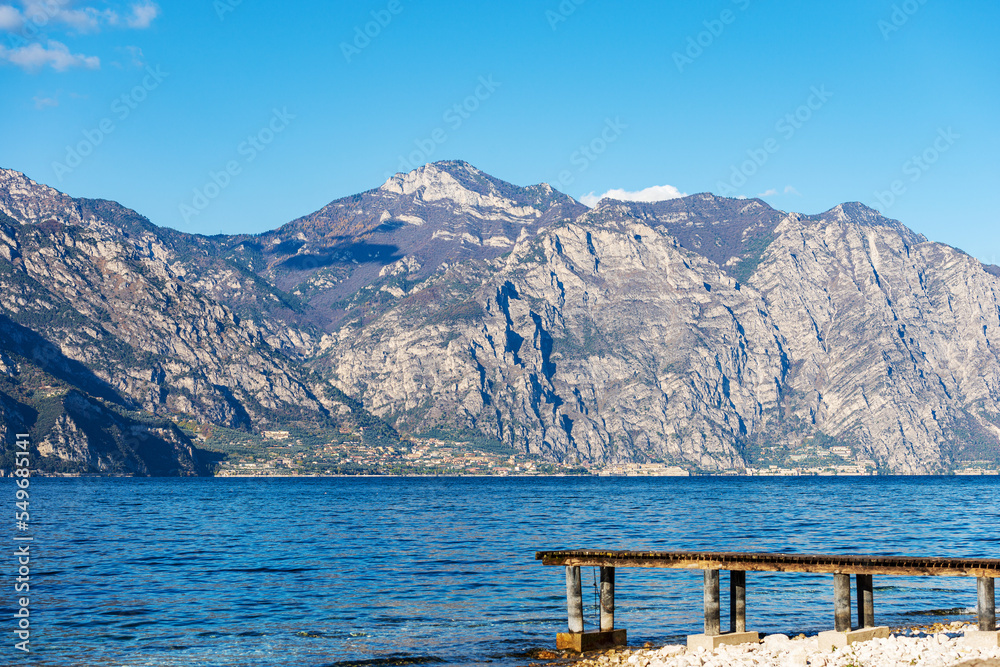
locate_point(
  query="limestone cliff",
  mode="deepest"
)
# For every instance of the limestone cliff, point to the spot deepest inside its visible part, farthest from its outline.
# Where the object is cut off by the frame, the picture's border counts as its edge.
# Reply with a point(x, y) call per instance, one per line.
point(607, 340)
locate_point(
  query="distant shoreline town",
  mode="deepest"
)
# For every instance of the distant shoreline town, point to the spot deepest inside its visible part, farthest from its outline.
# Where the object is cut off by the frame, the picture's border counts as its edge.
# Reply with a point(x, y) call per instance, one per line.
point(284, 454)
point(440, 457)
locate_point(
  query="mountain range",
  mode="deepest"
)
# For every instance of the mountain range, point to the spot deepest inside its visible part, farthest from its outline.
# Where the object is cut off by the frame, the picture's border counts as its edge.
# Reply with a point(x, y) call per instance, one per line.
point(706, 332)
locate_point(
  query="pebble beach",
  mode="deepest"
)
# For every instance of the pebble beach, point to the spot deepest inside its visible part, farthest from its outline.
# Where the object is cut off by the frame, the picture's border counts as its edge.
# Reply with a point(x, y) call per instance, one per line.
point(940, 645)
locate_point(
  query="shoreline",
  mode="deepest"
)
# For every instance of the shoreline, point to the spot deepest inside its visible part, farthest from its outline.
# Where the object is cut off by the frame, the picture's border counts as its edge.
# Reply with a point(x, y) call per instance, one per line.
point(936, 645)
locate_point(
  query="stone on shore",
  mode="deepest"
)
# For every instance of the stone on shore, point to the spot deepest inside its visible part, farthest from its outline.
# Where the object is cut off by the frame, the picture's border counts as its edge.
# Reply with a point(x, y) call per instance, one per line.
point(943, 646)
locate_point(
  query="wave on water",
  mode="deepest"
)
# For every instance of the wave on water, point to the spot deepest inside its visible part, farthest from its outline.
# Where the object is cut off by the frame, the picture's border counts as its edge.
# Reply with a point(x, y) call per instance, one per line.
point(951, 611)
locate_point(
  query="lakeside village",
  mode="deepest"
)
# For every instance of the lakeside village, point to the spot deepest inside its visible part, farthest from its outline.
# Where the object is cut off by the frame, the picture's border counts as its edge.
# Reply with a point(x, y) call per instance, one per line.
point(283, 454)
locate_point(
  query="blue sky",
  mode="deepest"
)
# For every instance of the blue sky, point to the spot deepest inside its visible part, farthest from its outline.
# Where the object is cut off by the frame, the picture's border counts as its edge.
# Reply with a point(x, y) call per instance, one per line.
point(240, 115)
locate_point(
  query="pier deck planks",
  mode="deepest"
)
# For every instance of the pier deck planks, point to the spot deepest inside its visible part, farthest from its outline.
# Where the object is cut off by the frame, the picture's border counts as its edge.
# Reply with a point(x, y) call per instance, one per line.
point(771, 562)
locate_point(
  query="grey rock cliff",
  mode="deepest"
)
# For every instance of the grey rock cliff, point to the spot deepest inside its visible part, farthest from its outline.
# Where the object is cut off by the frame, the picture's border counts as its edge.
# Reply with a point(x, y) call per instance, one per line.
point(607, 340)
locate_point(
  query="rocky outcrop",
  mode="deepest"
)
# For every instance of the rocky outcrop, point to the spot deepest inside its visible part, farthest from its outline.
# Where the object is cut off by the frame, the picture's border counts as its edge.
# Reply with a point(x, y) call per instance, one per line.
point(607, 340)
point(86, 437)
point(893, 340)
point(334, 260)
point(94, 301)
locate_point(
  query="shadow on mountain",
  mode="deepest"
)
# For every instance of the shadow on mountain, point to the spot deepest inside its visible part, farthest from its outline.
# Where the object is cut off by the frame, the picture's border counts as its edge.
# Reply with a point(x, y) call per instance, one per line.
point(207, 460)
point(49, 358)
point(361, 253)
point(241, 418)
point(287, 247)
point(389, 226)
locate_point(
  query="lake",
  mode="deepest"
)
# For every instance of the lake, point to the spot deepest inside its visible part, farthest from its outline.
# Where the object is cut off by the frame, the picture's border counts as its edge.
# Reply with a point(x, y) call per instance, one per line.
point(342, 571)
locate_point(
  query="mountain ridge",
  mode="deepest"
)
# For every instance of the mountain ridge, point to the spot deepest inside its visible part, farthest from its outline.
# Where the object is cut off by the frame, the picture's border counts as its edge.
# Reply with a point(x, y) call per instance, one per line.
point(704, 331)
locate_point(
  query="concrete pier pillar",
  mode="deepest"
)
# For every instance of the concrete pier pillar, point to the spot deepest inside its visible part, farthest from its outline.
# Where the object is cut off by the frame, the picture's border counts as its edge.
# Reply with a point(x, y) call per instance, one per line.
point(574, 599)
point(842, 602)
point(607, 599)
point(842, 635)
point(986, 604)
point(606, 637)
point(737, 601)
point(866, 601)
point(713, 623)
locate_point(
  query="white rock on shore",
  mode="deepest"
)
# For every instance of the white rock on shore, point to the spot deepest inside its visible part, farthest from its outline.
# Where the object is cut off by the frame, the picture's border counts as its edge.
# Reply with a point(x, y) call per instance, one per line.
point(939, 649)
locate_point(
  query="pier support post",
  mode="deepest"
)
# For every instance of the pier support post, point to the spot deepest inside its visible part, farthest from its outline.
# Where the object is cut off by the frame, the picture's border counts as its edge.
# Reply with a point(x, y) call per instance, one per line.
point(713, 636)
point(842, 635)
point(737, 601)
point(578, 640)
point(842, 602)
point(986, 604)
point(712, 608)
point(986, 636)
point(866, 601)
point(574, 599)
point(607, 599)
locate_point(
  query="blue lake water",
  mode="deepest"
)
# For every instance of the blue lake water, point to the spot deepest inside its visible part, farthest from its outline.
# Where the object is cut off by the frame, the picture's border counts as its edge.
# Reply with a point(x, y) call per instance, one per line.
point(317, 572)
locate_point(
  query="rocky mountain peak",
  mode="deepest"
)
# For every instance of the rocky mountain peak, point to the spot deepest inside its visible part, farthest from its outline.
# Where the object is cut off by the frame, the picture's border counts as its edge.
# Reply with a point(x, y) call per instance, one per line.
point(15, 182)
point(458, 183)
point(438, 181)
point(26, 200)
point(733, 233)
point(856, 213)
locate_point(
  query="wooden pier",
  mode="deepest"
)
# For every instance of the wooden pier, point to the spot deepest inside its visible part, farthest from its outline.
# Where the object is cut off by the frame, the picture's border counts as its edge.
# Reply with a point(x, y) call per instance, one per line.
point(985, 570)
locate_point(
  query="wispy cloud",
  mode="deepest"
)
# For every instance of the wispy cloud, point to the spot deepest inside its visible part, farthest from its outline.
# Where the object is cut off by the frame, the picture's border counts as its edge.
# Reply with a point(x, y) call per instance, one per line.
point(654, 193)
point(83, 19)
point(135, 56)
point(56, 55)
point(41, 13)
point(789, 190)
point(27, 18)
point(43, 102)
point(143, 15)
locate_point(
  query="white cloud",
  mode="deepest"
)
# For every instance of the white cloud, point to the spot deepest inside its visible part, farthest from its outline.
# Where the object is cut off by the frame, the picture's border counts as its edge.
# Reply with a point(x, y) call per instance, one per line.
point(86, 19)
point(654, 193)
point(10, 18)
point(143, 14)
point(768, 192)
point(789, 190)
point(42, 102)
point(40, 13)
point(54, 54)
